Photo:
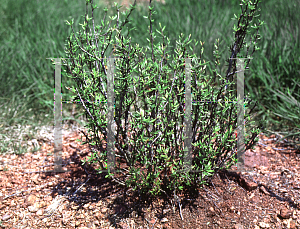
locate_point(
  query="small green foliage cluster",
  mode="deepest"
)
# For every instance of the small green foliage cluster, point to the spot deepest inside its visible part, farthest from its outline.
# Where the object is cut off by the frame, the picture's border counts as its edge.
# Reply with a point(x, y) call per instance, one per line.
point(150, 101)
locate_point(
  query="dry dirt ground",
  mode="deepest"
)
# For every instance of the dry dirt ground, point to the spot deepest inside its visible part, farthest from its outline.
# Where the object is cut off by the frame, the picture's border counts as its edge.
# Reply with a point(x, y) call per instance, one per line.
point(30, 197)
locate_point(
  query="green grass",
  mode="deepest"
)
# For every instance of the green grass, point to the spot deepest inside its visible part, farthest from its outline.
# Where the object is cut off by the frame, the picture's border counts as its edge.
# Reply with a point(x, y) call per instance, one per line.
point(32, 31)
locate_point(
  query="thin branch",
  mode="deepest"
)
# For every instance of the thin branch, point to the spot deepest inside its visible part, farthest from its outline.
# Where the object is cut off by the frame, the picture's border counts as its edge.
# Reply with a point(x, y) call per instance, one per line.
point(151, 36)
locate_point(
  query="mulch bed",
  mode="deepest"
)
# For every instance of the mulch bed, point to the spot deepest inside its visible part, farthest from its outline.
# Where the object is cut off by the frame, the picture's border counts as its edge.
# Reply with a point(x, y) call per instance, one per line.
point(266, 197)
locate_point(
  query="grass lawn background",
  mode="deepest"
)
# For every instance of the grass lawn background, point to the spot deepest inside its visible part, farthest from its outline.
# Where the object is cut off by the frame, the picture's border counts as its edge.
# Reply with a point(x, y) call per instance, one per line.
point(34, 30)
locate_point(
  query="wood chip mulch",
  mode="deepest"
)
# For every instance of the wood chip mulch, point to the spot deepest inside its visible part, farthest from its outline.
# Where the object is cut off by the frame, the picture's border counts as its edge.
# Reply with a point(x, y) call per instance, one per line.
point(266, 197)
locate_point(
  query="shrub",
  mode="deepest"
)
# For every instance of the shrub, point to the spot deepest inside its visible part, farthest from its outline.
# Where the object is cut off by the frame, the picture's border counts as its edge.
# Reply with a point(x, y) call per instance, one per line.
point(149, 102)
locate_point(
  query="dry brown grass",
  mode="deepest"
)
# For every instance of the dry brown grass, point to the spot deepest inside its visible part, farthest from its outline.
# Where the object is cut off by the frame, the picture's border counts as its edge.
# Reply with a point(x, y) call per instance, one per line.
point(125, 3)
